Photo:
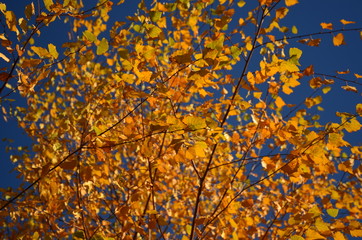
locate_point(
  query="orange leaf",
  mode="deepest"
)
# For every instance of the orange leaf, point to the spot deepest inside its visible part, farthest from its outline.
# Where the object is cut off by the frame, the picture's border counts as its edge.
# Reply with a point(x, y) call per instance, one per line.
point(279, 102)
point(346, 22)
point(314, 42)
point(281, 12)
point(357, 75)
point(339, 236)
point(359, 108)
point(327, 26)
point(350, 88)
point(308, 71)
point(290, 2)
point(338, 39)
point(343, 72)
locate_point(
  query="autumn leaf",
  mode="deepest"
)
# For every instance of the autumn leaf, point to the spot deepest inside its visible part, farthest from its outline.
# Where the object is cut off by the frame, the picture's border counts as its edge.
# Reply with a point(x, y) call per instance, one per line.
point(194, 123)
point(89, 36)
point(48, 4)
point(338, 39)
point(350, 88)
point(102, 47)
point(279, 102)
point(308, 71)
point(53, 50)
point(165, 119)
point(345, 22)
point(327, 26)
point(290, 2)
point(241, 3)
point(333, 212)
point(5, 58)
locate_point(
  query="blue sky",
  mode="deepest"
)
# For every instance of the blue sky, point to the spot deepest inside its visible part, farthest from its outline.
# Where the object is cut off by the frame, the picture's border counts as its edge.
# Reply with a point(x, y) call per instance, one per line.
point(307, 16)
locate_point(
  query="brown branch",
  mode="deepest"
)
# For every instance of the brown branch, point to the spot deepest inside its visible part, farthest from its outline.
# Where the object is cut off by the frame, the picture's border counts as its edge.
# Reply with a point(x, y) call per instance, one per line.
point(306, 147)
point(311, 34)
point(202, 179)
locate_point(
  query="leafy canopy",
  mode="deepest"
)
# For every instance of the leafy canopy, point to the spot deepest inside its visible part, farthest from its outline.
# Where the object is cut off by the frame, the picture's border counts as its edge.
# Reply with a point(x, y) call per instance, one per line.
point(190, 119)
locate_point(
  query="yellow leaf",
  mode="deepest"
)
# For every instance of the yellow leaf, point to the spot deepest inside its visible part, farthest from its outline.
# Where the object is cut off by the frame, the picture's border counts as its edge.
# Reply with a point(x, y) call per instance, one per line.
point(333, 212)
point(327, 26)
point(346, 22)
point(356, 233)
point(326, 89)
point(311, 235)
point(357, 75)
point(36, 235)
point(295, 237)
point(4, 57)
point(200, 149)
point(241, 3)
point(338, 236)
point(338, 39)
point(128, 78)
point(89, 36)
point(194, 123)
point(48, 3)
point(41, 52)
point(53, 50)
point(290, 2)
point(359, 108)
point(322, 227)
point(102, 47)
point(352, 126)
point(279, 102)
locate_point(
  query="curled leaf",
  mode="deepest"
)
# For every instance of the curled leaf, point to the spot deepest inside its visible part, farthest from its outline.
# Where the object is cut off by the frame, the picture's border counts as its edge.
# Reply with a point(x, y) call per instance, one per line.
point(350, 89)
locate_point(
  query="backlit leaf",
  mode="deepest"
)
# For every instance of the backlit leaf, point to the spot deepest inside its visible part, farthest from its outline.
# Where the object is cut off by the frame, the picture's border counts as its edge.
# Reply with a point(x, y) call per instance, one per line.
point(241, 3)
point(338, 39)
point(5, 58)
point(41, 52)
point(290, 2)
point(339, 236)
point(346, 22)
point(102, 47)
point(89, 36)
point(359, 108)
point(295, 237)
point(356, 233)
point(350, 88)
point(194, 123)
point(29, 10)
point(53, 50)
point(281, 12)
point(48, 4)
point(333, 212)
point(279, 102)
point(327, 26)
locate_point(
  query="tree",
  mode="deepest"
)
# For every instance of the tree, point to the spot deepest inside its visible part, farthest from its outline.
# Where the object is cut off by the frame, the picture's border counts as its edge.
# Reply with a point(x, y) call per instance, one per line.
point(178, 123)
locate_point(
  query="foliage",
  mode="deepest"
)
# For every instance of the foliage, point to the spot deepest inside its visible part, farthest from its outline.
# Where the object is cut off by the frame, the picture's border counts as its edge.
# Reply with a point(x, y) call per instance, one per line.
point(179, 122)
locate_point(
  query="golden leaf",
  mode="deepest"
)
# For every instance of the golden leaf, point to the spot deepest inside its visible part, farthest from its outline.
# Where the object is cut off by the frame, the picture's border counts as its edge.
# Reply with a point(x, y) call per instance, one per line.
point(346, 22)
point(338, 39)
point(290, 2)
point(327, 26)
